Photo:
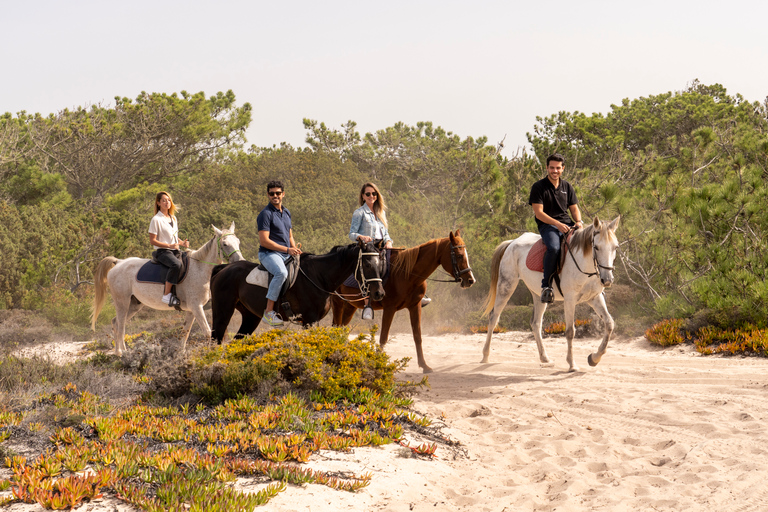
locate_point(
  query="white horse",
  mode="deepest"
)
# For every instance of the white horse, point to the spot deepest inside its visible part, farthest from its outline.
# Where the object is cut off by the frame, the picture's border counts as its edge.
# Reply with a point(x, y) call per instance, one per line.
point(587, 270)
point(130, 295)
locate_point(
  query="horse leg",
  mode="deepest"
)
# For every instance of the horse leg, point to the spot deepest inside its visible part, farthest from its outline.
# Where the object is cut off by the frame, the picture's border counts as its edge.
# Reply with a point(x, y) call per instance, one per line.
point(249, 323)
point(569, 308)
point(415, 312)
point(189, 319)
point(538, 315)
point(504, 291)
point(221, 311)
point(598, 304)
point(118, 324)
point(386, 322)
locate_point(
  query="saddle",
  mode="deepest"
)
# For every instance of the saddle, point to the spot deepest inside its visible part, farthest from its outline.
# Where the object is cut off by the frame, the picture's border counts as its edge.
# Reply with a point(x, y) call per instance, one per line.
point(260, 277)
point(155, 272)
point(351, 282)
point(535, 259)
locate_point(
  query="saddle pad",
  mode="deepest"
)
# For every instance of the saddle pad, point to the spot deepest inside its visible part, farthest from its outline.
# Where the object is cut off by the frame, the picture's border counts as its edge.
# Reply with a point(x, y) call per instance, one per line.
point(154, 272)
point(351, 282)
point(260, 277)
point(535, 259)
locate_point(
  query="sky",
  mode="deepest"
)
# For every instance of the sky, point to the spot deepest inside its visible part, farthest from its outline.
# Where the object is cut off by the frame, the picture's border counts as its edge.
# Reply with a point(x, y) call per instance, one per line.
point(480, 68)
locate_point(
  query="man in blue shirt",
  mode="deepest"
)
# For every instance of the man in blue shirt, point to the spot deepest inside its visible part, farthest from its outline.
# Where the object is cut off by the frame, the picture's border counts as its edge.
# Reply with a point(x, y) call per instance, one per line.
point(552, 199)
point(276, 244)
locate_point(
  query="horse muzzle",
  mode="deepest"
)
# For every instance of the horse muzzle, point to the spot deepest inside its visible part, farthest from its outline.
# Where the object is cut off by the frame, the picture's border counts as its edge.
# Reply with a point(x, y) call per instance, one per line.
point(377, 291)
point(607, 282)
point(467, 280)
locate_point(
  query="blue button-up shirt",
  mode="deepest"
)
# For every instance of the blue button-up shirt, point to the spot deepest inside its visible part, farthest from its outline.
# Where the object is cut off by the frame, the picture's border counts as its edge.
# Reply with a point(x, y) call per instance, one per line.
point(364, 222)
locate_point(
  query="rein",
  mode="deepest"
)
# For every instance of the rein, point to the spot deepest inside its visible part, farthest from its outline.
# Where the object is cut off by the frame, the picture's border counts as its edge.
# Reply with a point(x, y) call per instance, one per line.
point(357, 267)
point(456, 273)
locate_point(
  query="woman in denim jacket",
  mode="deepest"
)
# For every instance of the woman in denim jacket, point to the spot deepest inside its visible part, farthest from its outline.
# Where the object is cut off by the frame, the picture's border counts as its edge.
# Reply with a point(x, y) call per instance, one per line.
point(369, 222)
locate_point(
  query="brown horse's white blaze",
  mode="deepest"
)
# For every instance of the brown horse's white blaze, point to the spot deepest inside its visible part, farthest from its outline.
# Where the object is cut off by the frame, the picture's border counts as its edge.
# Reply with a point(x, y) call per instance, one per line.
point(587, 270)
point(407, 285)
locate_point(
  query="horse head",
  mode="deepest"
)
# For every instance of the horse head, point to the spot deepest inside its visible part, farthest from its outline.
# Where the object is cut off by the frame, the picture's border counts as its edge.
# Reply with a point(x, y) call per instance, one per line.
point(604, 246)
point(460, 269)
point(228, 244)
point(370, 268)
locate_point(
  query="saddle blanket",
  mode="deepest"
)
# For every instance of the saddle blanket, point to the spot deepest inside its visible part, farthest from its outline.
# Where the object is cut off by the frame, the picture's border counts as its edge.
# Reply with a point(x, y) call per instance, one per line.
point(535, 259)
point(155, 272)
point(258, 277)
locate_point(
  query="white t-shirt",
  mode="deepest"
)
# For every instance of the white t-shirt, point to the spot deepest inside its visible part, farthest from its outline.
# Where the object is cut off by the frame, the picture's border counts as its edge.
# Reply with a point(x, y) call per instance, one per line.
point(166, 229)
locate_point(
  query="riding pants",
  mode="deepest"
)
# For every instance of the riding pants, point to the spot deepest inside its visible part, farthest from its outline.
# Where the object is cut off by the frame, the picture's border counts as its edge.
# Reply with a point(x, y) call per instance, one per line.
point(274, 262)
point(551, 236)
point(171, 259)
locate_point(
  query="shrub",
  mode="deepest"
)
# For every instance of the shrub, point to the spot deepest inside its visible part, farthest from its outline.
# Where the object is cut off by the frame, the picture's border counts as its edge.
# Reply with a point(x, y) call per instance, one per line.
point(667, 333)
point(320, 359)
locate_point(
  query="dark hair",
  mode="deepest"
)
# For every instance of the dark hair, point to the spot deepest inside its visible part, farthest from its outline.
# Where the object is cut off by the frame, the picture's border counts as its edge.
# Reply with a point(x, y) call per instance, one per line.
point(557, 157)
point(275, 184)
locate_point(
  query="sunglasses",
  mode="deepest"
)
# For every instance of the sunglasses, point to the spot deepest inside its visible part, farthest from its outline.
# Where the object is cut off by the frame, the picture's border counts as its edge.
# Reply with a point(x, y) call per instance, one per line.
point(274, 193)
point(369, 194)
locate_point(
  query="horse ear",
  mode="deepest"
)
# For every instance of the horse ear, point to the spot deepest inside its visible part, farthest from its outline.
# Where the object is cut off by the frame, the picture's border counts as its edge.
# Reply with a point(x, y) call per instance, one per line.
point(216, 230)
point(232, 227)
point(596, 223)
point(614, 225)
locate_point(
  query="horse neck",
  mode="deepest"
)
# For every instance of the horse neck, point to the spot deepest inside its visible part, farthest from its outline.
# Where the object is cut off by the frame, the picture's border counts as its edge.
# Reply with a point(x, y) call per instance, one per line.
point(207, 253)
point(422, 260)
point(333, 268)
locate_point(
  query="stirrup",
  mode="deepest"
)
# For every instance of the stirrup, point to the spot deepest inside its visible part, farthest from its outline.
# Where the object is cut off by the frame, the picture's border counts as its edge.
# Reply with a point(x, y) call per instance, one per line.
point(174, 301)
point(547, 295)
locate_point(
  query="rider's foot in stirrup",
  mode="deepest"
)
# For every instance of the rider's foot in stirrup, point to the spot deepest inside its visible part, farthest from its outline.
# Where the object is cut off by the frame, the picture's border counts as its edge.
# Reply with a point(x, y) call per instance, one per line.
point(273, 319)
point(367, 313)
point(547, 295)
point(171, 299)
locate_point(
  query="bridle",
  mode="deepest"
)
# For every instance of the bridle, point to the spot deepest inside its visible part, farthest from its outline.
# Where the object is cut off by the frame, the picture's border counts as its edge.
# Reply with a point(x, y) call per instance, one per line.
point(225, 256)
point(455, 272)
point(363, 282)
point(594, 257)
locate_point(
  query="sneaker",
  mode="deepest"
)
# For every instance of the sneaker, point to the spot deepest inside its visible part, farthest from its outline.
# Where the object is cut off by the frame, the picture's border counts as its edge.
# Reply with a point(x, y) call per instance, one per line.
point(425, 301)
point(547, 295)
point(272, 318)
point(367, 313)
point(167, 298)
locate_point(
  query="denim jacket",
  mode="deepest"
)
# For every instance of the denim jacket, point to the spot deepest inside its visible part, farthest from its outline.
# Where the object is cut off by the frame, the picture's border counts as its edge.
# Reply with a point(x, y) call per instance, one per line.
point(364, 222)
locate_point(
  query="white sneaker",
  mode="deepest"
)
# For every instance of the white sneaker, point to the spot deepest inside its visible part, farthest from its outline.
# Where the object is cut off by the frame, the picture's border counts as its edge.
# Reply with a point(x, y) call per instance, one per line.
point(167, 298)
point(367, 313)
point(272, 318)
point(425, 301)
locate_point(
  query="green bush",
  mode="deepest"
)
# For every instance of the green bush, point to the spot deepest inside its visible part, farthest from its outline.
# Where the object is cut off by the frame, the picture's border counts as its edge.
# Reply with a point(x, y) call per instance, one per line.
point(321, 359)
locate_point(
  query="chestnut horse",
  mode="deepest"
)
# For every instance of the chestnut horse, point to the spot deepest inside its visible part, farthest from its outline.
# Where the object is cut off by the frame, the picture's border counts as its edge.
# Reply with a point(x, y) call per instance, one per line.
point(407, 285)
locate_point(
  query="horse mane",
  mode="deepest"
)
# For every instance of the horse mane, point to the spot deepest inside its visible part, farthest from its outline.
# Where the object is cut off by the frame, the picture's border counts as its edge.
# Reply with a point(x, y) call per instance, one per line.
point(582, 238)
point(204, 248)
point(406, 258)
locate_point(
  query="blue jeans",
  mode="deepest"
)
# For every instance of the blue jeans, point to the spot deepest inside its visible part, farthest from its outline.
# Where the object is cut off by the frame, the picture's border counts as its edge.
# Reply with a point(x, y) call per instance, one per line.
point(551, 237)
point(274, 262)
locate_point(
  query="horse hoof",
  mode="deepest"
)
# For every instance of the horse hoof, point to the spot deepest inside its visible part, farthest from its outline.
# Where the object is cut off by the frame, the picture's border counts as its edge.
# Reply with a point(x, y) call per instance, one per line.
point(573, 369)
point(591, 361)
point(427, 369)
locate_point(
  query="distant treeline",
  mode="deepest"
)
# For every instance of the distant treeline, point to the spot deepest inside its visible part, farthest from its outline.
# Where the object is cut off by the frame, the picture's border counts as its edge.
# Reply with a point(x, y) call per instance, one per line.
point(686, 171)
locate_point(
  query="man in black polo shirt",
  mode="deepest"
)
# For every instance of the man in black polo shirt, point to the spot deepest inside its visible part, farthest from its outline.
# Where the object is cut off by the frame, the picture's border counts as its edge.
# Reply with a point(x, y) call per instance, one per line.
point(275, 245)
point(552, 198)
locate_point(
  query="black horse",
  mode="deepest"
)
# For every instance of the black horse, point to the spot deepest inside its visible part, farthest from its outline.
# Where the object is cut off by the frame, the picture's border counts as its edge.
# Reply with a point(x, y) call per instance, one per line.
point(309, 297)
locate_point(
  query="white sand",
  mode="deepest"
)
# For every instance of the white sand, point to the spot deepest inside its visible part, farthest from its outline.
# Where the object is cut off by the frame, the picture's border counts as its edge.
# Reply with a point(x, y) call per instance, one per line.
point(647, 429)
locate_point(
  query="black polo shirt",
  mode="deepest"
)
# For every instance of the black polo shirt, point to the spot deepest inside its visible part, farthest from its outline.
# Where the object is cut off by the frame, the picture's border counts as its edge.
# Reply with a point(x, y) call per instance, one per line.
point(555, 200)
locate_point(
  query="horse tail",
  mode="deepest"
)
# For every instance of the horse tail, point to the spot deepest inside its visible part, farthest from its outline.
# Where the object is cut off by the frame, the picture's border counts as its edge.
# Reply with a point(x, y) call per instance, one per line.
point(495, 264)
point(100, 280)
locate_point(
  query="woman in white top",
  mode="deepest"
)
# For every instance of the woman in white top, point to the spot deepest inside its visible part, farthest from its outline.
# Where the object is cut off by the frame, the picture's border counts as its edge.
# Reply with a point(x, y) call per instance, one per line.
point(369, 222)
point(164, 236)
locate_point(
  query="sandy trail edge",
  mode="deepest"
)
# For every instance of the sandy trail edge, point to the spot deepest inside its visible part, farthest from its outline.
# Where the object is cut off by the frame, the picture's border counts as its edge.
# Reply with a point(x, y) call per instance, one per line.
point(647, 429)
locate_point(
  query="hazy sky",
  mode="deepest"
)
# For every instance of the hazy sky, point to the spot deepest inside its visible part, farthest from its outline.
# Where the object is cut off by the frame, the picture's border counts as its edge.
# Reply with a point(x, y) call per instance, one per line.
point(475, 68)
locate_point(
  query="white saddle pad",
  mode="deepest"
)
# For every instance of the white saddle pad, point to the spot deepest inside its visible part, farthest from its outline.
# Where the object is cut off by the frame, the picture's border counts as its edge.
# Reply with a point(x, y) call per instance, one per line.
point(258, 277)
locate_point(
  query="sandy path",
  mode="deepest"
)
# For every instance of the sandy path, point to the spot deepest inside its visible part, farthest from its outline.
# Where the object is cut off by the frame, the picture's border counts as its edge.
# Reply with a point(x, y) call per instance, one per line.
point(647, 429)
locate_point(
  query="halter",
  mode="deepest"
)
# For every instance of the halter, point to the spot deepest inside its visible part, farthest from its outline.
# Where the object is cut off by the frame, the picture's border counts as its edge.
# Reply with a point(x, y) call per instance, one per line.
point(357, 267)
point(594, 258)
